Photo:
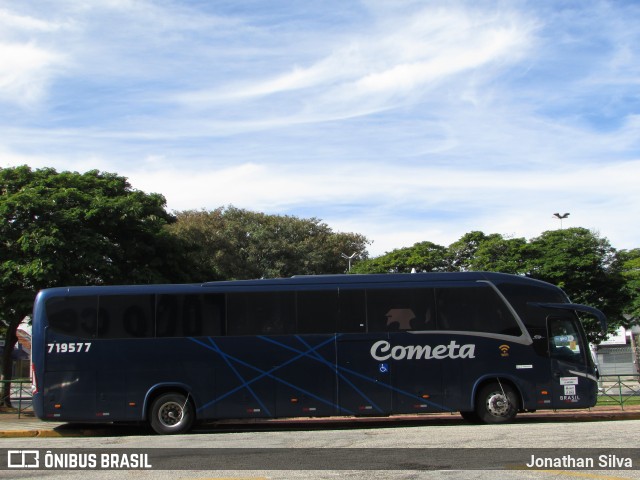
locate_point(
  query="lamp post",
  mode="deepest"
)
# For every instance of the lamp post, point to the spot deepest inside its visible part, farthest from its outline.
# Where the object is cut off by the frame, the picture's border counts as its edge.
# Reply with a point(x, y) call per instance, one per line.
point(349, 258)
point(561, 217)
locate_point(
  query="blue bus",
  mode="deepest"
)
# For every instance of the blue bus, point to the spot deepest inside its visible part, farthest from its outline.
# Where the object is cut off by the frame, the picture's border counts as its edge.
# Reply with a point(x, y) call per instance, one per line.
point(487, 345)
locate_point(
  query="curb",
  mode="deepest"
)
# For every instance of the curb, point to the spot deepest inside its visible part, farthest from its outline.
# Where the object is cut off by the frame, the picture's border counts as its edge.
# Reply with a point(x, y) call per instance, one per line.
point(54, 433)
point(326, 422)
point(30, 433)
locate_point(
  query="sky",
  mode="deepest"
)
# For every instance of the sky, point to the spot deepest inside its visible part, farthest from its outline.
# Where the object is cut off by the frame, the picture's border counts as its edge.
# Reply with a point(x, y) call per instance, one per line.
point(404, 121)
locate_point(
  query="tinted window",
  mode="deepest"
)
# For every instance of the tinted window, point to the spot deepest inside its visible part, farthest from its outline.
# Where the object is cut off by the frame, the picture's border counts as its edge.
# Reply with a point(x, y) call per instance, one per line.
point(73, 316)
point(135, 316)
point(521, 298)
point(400, 309)
point(474, 309)
point(126, 316)
point(269, 313)
point(189, 315)
point(352, 311)
point(317, 311)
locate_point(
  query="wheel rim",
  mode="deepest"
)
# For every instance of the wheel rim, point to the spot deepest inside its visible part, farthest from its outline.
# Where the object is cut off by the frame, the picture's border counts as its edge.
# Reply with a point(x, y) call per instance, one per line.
point(170, 414)
point(498, 404)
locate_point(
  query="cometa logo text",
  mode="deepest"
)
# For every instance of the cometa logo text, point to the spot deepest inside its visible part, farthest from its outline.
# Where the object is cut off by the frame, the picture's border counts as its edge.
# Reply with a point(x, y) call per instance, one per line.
point(383, 350)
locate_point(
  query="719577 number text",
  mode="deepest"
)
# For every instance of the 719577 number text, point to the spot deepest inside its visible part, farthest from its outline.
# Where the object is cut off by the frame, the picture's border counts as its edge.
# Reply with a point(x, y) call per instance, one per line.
point(72, 347)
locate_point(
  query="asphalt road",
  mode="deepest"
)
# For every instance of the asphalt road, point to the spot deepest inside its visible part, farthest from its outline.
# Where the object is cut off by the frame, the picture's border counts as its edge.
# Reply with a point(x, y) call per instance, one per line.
point(437, 449)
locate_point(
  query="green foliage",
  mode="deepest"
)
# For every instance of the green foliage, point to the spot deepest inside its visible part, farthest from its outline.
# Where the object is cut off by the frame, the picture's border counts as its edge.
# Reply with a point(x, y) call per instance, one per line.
point(498, 254)
point(630, 260)
point(584, 265)
point(423, 257)
point(232, 243)
point(78, 229)
point(462, 252)
point(85, 229)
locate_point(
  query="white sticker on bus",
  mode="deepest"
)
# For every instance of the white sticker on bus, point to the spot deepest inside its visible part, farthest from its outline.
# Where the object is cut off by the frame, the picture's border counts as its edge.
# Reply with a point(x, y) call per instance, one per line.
point(382, 350)
point(568, 380)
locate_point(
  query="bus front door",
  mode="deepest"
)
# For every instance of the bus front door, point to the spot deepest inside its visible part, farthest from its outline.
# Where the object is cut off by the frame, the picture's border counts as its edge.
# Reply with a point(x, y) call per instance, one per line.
point(364, 383)
point(573, 382)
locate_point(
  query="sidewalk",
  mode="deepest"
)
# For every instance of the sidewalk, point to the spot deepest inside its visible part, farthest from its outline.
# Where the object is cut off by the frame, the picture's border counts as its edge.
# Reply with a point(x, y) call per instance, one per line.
point(29, 426)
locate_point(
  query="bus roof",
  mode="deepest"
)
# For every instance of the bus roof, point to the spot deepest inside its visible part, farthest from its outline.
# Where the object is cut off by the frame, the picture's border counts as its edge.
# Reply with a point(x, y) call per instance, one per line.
point(386, 278)
point(302, 280)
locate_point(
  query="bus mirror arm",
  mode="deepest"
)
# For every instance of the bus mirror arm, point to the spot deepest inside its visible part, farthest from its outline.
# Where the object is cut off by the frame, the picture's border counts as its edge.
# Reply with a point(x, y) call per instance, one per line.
point(579, 308)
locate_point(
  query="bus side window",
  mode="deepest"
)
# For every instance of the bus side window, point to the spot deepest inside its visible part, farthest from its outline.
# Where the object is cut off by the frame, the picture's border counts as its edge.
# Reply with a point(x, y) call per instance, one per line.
point(352, 315)
point(524, 297)
point(126, 316)
point(167, 307)
point(317, 311)
point(213, 311)
point(474, 309)
point(74, 316)
point(392, 310)
point(260, 313)
point(191, 315)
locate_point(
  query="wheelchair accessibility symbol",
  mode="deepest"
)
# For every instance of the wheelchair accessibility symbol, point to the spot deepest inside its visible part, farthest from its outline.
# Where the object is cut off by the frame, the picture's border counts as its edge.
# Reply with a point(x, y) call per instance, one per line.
point(384, 368)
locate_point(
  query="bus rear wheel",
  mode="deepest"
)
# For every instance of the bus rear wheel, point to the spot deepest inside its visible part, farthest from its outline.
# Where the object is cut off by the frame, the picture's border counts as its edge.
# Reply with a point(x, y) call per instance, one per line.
point(171, 413)
point(497, 403)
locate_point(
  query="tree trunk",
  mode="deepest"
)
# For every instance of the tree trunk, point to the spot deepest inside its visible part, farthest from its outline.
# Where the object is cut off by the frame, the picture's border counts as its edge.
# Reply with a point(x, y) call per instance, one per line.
point(10, 341)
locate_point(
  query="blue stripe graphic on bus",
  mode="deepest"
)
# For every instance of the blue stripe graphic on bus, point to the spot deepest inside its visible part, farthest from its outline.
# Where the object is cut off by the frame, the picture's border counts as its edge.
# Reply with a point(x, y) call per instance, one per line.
point(338, 373)
point(235, 371)
point(340, 370)
point(332, 366)
point(263, 374)
point(311, 353)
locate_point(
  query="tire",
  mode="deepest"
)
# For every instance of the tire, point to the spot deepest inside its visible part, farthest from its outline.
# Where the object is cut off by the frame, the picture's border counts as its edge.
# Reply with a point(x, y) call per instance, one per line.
point(496, 403)
point(171, 413)
point(471, 417)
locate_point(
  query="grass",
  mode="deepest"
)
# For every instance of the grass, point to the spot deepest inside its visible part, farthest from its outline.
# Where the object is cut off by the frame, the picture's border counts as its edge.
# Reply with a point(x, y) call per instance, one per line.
point(613, 399)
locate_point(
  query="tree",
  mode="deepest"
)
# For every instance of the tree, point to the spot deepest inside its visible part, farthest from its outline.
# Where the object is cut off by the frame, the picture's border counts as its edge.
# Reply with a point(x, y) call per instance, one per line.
point(630, 260)
point(69, 228)
point(586, 267)
point(462, 252)
point(423, 257)
point(498, 254)
point(233, 243)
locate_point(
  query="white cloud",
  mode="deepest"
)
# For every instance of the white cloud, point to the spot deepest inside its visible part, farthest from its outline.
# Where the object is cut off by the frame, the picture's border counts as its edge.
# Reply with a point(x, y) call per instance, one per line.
point(26, 66)
point(404, 121)
point(25, 72)
point(383, 66)
point(506, 202)
point(23, 23)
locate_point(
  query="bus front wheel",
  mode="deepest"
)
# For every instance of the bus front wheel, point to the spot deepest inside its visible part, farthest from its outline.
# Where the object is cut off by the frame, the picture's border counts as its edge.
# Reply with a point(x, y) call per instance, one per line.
point(497, 403)
point(171, 413)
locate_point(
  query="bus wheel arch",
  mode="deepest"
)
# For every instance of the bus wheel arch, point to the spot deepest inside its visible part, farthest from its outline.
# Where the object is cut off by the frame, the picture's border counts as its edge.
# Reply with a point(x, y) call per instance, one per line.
point(171, 410)
point(497, 400)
